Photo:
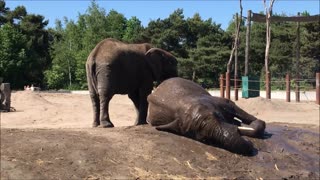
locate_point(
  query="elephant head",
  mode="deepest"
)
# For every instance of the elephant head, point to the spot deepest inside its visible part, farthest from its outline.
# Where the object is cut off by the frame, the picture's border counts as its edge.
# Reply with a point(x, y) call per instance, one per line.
point(162, 63)
point(184, 107)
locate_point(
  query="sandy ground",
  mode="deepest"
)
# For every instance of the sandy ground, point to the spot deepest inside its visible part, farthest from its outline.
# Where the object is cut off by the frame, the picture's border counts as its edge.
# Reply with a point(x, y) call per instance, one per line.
point(50, 137)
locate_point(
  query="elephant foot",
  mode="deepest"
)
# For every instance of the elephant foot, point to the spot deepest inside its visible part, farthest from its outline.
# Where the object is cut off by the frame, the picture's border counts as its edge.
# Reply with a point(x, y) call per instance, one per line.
point(259, 126)
point(95, 124)
point(140, 123)
point(105, 124)
point(255, 129)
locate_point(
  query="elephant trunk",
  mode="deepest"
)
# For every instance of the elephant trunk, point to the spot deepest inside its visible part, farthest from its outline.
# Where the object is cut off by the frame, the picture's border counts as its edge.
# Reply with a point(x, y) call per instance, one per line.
point(232, 140)
point(227, 136)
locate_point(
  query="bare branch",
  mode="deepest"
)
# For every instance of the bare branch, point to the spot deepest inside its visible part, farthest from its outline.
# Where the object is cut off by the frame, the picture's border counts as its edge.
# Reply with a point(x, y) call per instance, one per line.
point(236, 40)
point(268, 10)
point(271, 5)
point(265, 6)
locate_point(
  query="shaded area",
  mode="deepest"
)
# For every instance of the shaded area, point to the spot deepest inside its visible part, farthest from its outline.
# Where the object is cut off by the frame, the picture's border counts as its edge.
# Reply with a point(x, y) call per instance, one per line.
point(292, 151)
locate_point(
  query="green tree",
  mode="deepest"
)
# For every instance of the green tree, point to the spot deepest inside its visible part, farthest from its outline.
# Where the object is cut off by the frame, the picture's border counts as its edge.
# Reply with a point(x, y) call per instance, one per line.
point(3, 12)
point(116, 25)
point(73, 44)
point(310, 51)
point(27, 46)
point(201, 46)
point(169, 33)
point(33, 26)
point(133, 31)
point(12, 55)
point(209, 59)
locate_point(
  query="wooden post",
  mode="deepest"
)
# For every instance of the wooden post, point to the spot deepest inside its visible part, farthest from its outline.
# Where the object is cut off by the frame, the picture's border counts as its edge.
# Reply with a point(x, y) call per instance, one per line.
point(268, 11)
point(236, 41)
point(193, 75)
point(236, 61)
point(69, 67)
point(268, 86)
point(297, 89)
point(228, 85)
point(221, 86)
point(288, 87)
point(5, 97)
point(236, 88)
point(318, 88)
point(247, 51)
point(297, 62)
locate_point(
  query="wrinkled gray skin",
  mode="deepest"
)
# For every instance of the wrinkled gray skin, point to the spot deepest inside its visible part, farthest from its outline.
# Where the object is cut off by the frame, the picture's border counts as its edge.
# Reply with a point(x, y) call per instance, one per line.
point(114, 67)
point(183, 107)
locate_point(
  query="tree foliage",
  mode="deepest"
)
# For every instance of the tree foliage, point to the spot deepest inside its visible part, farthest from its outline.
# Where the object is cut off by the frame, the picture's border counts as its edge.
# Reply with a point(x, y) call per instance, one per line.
point(24, 46)
point(55, 58)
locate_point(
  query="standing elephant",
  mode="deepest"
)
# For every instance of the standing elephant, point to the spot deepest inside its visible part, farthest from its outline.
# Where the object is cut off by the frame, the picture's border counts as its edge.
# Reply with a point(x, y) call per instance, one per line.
point(183, 107)
point(114, 67)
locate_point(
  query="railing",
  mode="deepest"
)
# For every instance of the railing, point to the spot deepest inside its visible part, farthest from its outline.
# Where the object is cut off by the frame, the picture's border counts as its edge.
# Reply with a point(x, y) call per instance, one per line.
point(225, 87)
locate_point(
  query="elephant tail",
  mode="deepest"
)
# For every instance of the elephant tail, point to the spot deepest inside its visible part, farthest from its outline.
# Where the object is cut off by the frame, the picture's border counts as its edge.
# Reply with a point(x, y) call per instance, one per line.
point(92, 76)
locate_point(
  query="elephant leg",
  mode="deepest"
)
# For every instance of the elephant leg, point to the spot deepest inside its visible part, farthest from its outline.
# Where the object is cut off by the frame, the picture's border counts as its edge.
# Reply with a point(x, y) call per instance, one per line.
point(134, 96)
point(139, 99)
point(230, 138)
point(96, 109)
point(143, 111)
point(143, 108)
point(256, 124)
point(105, 92)
point(223, 134)
point(105, 98)
point(94, 97)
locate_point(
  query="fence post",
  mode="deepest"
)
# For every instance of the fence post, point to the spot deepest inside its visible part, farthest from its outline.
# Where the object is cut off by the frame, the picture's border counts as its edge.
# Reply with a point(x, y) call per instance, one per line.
point(298, 61)
point(247, 50)
point(318, 88)
point(221, 86)
point(268, 86)
point(288, 87)
point(236, 88)
point(228, 85)
point(297, 90)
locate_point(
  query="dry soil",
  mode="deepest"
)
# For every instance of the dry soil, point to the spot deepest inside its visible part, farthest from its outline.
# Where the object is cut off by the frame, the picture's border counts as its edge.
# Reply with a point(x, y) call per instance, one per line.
point(49, 137)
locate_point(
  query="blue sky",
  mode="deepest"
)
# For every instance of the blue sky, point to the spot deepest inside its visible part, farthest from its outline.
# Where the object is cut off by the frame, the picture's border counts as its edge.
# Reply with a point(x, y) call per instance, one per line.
point(220, 11)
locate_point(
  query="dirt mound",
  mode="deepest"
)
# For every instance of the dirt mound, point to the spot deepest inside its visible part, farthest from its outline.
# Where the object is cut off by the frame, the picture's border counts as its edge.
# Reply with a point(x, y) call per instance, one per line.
point(31, 98)
point(142, 152)
point(68, 149)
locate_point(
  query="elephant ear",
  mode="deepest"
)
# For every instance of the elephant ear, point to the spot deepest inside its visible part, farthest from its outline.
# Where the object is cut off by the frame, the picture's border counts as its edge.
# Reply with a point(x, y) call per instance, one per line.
point(154, 60)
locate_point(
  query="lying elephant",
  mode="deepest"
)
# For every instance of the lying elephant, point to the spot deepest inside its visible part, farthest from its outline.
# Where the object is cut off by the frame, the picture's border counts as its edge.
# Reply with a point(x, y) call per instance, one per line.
point(183, 107)
point(114, 67)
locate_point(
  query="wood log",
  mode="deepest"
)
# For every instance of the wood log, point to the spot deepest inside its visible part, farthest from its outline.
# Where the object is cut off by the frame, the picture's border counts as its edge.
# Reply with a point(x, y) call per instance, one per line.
point(5, 103)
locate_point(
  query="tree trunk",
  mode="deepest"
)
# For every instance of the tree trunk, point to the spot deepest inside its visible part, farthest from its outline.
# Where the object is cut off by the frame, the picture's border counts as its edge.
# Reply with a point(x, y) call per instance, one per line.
point(5, 96)
point(193, 75)
point(247, 51)
point(268, 40)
